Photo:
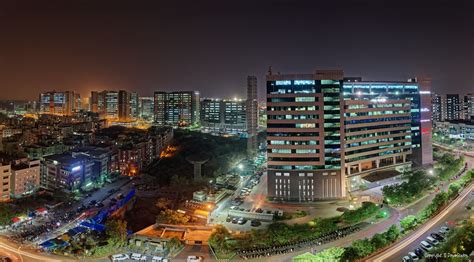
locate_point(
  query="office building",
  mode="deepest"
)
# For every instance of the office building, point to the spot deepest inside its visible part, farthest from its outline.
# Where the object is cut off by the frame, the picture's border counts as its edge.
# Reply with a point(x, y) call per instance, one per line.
point(66, 172)
point(252, 114)
point(467, 110)
point(224, 115)
point(145, 108)
point(124, 109)
point(180, 108)
point(325, 132)
point(437, 114)
point(134, 105)
point(59, 103)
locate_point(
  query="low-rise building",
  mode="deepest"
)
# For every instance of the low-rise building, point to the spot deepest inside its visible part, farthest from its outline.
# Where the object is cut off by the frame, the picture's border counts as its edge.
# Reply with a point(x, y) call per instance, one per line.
point(25, 177)
point(5, 173)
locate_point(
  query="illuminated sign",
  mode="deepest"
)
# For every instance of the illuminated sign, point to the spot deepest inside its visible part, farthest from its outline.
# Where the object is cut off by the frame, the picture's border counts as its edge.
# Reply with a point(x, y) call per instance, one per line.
point(425, 92)
point(425, 110)
point(304, 82)
point(283, 83)
point(76, 168)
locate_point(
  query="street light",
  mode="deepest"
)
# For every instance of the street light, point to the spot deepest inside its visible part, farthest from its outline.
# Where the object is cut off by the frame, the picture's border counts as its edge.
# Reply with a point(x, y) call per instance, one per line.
point(431, 172)
point(240, 166)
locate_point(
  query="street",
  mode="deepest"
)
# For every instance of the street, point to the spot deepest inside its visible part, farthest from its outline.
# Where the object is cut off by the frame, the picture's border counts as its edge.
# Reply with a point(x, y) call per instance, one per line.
point(455, 211)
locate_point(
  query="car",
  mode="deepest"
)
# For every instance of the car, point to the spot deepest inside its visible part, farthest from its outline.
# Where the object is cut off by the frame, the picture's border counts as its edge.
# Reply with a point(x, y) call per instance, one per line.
point(194, 259)
point(444, 230)
point(432, 241)
point(92, 202)
point(233, 207)
point(437, 236)
point(156, 259)
point(255, 223)
point(241, 221)
point(228, 219)
point(406, 259)
point(426, 246)
point(136, 256)
point(468, 207)
point(413, 256)
point(119, 257)
point(258, 210)
point(234, 220)
point(419, 252)
point(99, 205)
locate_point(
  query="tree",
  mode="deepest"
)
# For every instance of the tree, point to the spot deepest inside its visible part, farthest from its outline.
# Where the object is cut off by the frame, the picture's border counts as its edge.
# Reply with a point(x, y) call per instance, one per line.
point(219, 237)
point(408, 222)
point(330, 254)
point(163, 203)
point(173, 244)
point(392, 233)
point(358, 249)
point(116, 231)
point(378, 241)
point(169, 216)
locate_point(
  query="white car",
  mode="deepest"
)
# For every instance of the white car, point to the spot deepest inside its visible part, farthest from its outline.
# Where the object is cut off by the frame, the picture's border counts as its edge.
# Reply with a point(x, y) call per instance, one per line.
point(406, 259)
point(444, 230)
point(156, 259)
point(138, 257)
point(119, 257)
point(426, 246)
point(413, 256)
point(432, 241)
point(194, 259)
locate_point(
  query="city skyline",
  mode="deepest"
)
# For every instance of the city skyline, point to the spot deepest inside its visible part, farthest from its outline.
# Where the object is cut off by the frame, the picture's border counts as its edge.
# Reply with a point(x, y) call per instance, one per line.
point(212, 47)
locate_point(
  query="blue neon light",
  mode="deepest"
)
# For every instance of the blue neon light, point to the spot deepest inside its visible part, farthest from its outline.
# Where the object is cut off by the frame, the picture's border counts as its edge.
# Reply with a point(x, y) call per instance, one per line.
point(283, 83)
point(304, 82)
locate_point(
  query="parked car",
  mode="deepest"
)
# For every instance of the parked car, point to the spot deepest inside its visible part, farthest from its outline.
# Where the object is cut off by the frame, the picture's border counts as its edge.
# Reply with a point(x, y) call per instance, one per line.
point(156, 259)
point(444, 230)
point(234, 220)
point(406, 259)
point(432, 241)
point(255, 223)
point(426, 246)
point(136, 256)
point(241, 221)
point(194, 259)
point(437, 236)
point(228, 219)
point(413, 256)
point(119, 257)
point(419, 252)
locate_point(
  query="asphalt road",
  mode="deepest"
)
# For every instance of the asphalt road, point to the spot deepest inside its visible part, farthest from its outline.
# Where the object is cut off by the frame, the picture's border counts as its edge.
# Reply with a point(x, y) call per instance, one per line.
point(455, 211)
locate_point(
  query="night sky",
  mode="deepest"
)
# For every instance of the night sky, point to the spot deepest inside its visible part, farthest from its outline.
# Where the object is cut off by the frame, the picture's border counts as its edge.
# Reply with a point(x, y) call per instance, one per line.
point(212, 46)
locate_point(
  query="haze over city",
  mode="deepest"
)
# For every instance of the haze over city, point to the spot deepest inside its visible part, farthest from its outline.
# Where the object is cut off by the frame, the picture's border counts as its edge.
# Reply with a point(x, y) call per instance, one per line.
point(263, 130)
point(212, 45)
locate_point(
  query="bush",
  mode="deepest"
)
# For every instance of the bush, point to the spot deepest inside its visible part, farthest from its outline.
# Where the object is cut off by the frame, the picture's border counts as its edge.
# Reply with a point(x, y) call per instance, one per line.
point(408, 222)
point(367, 210)
point(414, 187)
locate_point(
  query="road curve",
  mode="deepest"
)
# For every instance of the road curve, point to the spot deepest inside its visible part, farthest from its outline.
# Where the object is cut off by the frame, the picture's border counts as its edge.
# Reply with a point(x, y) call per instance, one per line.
point(388, 254)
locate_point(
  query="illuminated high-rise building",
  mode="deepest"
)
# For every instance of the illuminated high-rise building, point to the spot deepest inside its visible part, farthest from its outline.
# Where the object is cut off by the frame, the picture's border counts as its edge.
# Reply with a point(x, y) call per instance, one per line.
point(180, 108)
point(60, 103)
point(326, 132)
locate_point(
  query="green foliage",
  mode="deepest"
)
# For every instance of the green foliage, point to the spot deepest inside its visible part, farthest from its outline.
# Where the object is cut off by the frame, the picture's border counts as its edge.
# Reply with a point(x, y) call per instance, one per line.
point(219, 239)
point(367, 210)
point(358, 249)
point(6, 214)
point(448, 166)
point(406, 192)
point(116, 231)
point(408, 222)
point(329, 255)
point(174, 244)
point(170, 216)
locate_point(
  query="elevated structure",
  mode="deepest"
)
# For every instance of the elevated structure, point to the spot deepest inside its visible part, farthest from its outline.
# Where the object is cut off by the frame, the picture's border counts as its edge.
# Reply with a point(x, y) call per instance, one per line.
point(197, 161)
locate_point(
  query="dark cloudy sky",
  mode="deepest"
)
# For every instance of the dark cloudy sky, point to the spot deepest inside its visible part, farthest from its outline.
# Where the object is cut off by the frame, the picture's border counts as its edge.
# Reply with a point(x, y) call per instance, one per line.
point(212, 46)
